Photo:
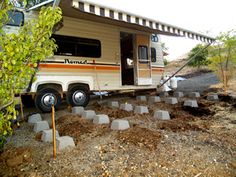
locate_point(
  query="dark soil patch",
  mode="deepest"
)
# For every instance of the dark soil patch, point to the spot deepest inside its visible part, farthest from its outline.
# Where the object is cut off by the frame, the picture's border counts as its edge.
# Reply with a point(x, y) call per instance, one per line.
point(141, 137)
point(75, 127)
point(178, 126)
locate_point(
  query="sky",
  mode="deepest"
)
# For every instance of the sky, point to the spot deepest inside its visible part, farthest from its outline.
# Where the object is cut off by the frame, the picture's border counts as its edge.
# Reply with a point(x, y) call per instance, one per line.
point(204, 16)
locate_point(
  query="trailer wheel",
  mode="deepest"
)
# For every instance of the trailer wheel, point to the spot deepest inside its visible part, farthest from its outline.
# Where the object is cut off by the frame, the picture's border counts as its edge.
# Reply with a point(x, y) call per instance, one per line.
point(44, 98)
point(78, 96)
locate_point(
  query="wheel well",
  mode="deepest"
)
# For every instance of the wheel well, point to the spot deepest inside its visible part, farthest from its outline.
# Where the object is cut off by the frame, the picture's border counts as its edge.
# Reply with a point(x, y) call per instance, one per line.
point(57, 87)
point(78, 84)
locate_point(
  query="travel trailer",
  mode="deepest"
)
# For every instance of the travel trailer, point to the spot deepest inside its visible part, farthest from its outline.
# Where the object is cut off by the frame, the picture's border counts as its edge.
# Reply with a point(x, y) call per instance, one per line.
point(101, 49)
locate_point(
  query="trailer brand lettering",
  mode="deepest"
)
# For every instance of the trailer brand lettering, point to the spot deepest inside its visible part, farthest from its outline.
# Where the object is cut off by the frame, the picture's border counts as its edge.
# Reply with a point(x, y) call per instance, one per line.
point(67, 61)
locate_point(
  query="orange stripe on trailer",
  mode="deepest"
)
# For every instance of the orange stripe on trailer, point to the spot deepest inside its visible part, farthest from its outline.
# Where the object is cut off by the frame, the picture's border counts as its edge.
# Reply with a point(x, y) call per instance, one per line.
point(100, 67)
point(158, 69)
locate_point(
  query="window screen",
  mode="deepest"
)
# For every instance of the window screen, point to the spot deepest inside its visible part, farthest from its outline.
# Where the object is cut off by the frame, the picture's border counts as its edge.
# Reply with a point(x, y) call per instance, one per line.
point(153, 54)
point(143, 54)
point(76, 46)
point(16, 18)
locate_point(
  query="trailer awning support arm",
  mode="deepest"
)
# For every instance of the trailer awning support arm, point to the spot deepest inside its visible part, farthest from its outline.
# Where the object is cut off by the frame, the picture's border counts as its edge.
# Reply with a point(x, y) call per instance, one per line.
point(199, 51)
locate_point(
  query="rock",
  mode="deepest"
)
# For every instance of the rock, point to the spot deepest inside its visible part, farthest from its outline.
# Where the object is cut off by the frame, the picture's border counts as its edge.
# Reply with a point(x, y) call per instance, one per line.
point(113, 104)
point(141, 109)
point(141, 98)
point(78, 110)
point(213, 97)
point(178, 94)
point(126, 107)
point(194, 94)
point(89, 114)
point(47, 135)
point(34, 118)
point(101, 119)
point(171, 100)
point(161, 115)
point(154, 99)
point(119, 124)
point(191, 103)
point(64, 142)
point(40, 126)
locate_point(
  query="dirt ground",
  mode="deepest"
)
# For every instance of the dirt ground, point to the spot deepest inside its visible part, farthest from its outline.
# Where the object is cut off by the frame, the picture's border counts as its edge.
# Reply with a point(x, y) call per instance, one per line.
point(195, 142)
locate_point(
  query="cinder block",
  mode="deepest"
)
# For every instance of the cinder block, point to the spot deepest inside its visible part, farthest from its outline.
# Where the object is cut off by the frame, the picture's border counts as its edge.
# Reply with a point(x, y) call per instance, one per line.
point(47, 135)
point(162, 115)
point(78, 110)
point(101, 119)
point(64, 142)
point(88, 114)
point(126, 107)
point(171, 100)
point(34, 118)
point(191, 103)
point(178, 94)
point(213, 97)
point(113, 104)
point(163, 94)
point(141, 98)
point(194, 94)
point(141, 109)
point(40, 126)
point(119, 124)
point(154, 99)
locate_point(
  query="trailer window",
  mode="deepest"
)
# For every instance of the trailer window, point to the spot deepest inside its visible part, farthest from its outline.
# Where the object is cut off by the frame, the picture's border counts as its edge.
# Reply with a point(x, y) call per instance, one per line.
point(76, 46)
point(16, 18)
point(153, 54)
point(143, 54)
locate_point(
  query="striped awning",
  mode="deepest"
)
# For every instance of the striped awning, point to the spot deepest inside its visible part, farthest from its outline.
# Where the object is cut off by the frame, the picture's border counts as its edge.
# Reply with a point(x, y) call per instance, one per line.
point(114, 16)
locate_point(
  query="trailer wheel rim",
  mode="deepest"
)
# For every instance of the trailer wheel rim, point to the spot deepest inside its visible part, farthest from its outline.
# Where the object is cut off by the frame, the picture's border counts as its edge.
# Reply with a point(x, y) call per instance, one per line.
point(79, 97)
point(48, 99)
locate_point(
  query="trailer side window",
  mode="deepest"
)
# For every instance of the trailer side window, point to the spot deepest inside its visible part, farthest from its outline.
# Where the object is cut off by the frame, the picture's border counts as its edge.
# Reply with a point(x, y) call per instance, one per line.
point(153, 54)
point(15, 18)
point(143, 54)
point(76, 46)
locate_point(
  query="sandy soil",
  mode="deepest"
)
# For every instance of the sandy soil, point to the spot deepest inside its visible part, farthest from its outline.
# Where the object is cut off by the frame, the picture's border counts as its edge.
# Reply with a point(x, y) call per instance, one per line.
point(195, 142)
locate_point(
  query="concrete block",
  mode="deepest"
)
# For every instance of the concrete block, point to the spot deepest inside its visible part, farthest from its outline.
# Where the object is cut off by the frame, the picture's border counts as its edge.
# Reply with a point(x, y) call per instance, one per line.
point(154, 99)
point(194, 94)
point(47, 135)
point(191, 103)
point(113, 104)
point(163, 94)
point(141, 109)
point(78, 110)
point(178, 94)
point(119, 124)
point(64, 142)
point(141, 98)
point(213, 97)
point(162, 115)
point(34, 118)
point(126, 107)
point(171, 100)
point(88, 114)
point(101, 119)
point(40, 126)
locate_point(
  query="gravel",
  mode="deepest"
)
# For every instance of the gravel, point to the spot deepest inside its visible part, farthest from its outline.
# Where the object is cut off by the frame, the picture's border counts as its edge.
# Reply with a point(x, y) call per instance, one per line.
point(198, 83)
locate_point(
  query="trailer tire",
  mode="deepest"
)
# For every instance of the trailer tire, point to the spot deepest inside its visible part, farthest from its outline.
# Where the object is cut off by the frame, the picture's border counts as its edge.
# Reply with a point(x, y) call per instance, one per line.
point(78, 96)
point(42, 101)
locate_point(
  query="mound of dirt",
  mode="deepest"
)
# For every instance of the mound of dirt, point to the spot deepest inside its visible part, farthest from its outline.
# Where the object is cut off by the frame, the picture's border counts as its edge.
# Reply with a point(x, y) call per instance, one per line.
point(141, 137)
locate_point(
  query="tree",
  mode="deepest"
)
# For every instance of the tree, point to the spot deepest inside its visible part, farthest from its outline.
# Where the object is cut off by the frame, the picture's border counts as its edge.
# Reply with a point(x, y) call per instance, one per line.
point(19, 55)
point(223, 56)
point(200, 59)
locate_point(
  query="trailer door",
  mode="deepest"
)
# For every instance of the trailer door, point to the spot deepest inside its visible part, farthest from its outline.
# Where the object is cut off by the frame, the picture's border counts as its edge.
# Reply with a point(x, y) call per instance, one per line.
point(143, 70)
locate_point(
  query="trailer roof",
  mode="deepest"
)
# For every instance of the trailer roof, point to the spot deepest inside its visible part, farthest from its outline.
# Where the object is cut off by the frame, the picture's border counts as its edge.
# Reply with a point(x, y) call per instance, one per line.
point(94, 12)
